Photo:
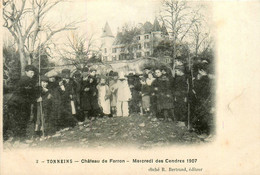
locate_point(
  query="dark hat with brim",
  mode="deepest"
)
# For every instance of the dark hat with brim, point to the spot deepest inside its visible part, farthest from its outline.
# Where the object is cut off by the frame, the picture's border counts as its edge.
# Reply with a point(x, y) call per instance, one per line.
point(65, 71)
point(85, 69)
point(44, 78)
point(115, 74)
point(30, 68)
point(64, 75)
point(111, 73)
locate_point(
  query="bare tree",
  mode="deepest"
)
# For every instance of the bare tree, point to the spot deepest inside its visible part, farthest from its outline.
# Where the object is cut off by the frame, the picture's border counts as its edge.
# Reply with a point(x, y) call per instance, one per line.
point(78, 50)
point(200, 35)
point(127, 37)
point(24, 20)
point(179, 18)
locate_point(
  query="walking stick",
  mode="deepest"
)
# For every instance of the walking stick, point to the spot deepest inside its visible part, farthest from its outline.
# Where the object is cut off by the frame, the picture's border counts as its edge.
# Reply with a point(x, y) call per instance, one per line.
point(189, 82)
point(41, 113)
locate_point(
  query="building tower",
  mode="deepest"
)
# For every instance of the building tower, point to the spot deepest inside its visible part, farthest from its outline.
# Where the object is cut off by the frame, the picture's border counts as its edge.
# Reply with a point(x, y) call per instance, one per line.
point(107, 40)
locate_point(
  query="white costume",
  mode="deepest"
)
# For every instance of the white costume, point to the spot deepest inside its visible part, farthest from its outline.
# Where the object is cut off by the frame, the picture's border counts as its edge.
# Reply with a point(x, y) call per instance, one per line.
point(104, 98)
point(123, 96)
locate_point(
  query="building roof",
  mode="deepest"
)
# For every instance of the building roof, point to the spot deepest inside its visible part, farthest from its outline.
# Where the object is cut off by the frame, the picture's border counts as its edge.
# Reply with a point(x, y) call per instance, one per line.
point(164, 30)
point(156, 26)
point(107, 31)
point(148, 27)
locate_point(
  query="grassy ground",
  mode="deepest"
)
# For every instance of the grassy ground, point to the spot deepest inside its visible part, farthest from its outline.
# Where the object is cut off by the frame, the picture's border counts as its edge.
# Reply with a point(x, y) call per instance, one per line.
point(143, 132)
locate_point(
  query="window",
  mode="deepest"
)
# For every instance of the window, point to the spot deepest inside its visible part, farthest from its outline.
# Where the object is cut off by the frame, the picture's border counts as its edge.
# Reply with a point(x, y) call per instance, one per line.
point(138, 37)
point(114, 50)
point(122, 49)
point(121, 57)
point(146, 37)
point(114, 57)
point(146, 45)
point(138, 54)
point(105, 58)
point(139, 46)
point(105, 50)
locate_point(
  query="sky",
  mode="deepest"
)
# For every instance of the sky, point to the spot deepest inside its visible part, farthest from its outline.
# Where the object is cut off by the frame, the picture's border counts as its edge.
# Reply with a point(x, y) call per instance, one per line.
point(98, 12)
point(95, 13)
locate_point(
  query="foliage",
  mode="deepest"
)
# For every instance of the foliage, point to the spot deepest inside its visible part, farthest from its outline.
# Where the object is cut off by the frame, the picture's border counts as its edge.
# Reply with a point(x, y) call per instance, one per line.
point(24, 20)
point(127, 37)
point(11, 67)
point(164, 48)
point(45, 63)
point(128, 34)
point(80, 50)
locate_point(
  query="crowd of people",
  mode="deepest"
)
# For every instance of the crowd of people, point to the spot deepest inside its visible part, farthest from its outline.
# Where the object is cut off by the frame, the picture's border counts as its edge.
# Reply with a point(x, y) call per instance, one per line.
point(56, 101)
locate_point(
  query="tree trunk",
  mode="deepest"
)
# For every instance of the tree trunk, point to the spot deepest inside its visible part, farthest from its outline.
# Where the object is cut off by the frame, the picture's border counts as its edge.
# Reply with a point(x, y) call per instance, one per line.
point(22, 58)
point(174, 55)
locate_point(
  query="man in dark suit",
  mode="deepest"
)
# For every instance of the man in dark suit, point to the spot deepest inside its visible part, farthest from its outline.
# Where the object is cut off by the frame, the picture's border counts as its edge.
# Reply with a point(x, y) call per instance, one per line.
point(21, 104)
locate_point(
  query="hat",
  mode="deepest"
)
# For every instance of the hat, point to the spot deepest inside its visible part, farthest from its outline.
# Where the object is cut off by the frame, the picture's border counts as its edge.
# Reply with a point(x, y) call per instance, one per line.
point(44, 78)
point(67, 76)
point(121, 76)
point(204, 61)
point(163, 67)
point(85, 74)
point(181, 68)
point(92, 69)
point(130, 74)
point(51, 73)
point(111, 73)
point(85, 69)
point(147, 67)
point(30, 67)
point(115, 74)
point(77, 73)
point(150, 72)
point(65, 71)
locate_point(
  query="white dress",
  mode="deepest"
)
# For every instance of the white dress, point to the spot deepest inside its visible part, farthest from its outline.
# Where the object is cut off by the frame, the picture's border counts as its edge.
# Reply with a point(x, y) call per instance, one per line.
point(104, 103)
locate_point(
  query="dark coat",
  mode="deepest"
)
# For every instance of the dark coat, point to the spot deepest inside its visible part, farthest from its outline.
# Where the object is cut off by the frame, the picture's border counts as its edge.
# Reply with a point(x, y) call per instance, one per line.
point(135, 88)
point(25, 91)
point(163, 91)
point(89, 95)
point(202, 119)
point(19, 105)
point(54, 106)
point(42, 110)
point(180, 86)
point(180, 93)
point(65, 109)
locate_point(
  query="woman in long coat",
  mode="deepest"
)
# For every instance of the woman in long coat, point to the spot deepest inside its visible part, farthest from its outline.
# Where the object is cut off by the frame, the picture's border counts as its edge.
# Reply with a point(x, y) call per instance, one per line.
point(67, 95)
point(162, 89)
point(89, 96)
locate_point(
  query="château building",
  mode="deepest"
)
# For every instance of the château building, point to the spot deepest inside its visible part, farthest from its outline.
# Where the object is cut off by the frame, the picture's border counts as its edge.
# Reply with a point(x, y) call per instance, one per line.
point(142, 43)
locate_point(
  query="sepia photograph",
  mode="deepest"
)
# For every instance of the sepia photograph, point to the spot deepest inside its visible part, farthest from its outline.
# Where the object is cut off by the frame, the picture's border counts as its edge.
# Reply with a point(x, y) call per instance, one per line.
point(108, 78)
point(129, 87)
